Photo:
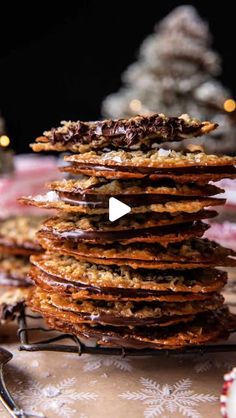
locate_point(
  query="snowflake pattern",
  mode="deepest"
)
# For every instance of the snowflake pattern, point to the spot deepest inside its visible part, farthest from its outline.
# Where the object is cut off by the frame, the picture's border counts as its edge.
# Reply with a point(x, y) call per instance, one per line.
point(58, 398)
point(112, 361)
point(168, 398)
point(206, 363)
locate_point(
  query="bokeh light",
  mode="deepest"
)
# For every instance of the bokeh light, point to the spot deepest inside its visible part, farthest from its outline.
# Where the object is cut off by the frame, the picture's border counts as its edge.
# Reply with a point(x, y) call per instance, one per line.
point(135, 105)
point(4, 141)
point(229, 105)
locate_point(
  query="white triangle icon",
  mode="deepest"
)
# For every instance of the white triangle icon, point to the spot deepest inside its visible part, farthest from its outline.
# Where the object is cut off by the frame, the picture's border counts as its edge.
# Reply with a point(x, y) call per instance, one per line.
point(117, 209)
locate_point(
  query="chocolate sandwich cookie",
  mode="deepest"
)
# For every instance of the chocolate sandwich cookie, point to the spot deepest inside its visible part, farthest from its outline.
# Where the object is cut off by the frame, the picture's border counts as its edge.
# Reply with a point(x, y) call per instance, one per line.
point(102, 187)
point(98, 229)
point(67, 275)
point(81, 291)
point(11, 302)
point(133, 133)
point(97, 205)
point(155, 161)
point(161, 265)
point(194, 250)
point(155, 165)
point(17, 235)
point(205, 328)
point(213, 174)
point(104, 313)
point(117, 313)
point(94, 192)
point(14, 271)
point(165, 261)
point(193, 253)
point(162, 234)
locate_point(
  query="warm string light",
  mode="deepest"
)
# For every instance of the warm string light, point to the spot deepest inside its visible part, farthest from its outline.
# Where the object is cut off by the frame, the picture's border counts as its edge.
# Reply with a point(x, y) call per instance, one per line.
point(135, 105)
point(4, 141)
point(229, 105)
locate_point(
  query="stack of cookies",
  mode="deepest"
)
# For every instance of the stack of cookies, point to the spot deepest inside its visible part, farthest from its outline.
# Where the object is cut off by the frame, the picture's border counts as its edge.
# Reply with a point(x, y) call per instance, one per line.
point(146, 280)
point(17, 243)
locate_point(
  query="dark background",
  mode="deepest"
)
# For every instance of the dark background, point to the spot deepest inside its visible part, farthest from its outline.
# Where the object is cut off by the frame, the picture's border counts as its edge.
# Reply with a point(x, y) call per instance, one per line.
point(59, 63)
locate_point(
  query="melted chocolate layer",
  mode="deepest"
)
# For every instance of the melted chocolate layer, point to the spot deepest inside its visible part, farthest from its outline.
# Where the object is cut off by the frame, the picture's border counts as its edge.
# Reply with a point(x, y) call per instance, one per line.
point(69, 285)
point(127, 234)
point(204, 328)
point(132, 200)
point(132, 321)
point(151, 170)
point(55, 281)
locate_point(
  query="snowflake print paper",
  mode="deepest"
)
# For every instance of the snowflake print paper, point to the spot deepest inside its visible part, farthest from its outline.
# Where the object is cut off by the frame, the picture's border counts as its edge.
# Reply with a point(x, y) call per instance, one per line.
point(117, 362)
point(207, 363)
point(168, 398)
point(58, 398)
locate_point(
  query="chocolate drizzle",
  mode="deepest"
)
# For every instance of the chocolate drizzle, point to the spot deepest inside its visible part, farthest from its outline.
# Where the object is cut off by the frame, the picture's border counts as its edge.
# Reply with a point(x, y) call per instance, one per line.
point(135, 132)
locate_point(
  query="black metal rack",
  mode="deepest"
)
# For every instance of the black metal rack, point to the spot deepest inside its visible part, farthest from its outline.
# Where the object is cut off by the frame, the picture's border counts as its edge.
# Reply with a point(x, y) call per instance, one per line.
point(78, 347)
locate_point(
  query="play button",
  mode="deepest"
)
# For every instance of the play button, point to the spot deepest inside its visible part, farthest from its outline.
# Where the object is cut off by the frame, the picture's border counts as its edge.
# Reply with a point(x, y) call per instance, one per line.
point(117, 209)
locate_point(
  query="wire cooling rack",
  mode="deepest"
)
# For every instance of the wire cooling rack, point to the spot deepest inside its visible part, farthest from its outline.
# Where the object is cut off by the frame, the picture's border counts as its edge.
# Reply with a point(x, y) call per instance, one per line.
point(68, 343)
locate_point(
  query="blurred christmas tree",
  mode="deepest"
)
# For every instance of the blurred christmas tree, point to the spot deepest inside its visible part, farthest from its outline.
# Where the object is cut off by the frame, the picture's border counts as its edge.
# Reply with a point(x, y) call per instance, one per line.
point(174, 74)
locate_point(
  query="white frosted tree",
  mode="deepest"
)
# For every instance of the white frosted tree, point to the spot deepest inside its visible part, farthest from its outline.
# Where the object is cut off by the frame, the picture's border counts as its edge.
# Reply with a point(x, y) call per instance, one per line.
point(176, 73)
